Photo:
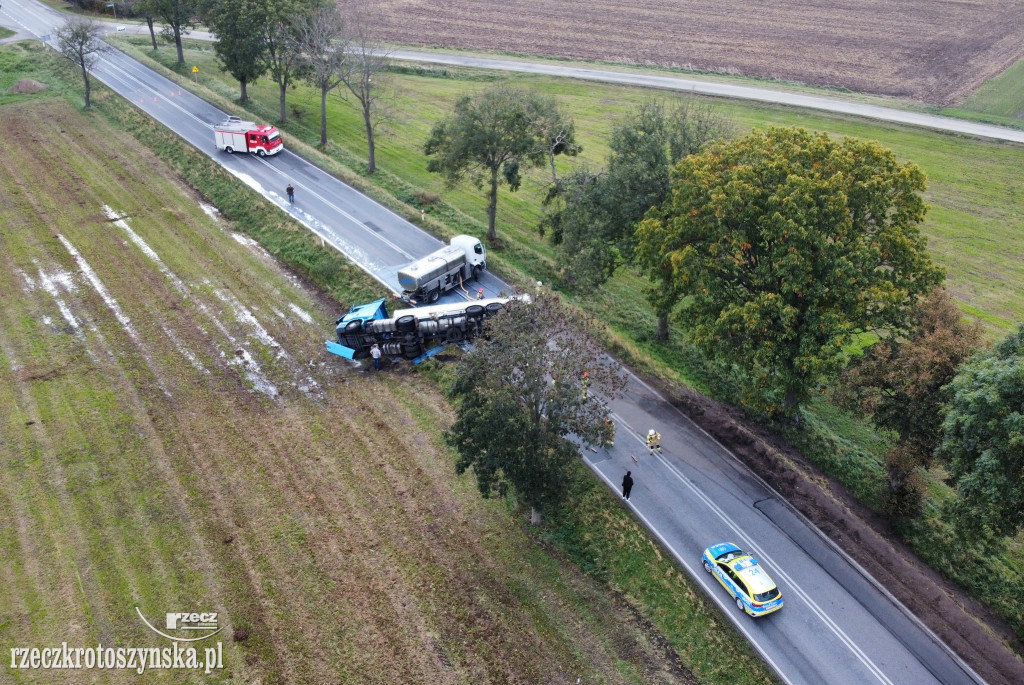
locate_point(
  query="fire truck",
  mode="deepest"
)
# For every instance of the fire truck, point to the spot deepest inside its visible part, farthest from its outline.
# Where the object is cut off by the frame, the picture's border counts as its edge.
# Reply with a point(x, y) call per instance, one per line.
point(233, 134)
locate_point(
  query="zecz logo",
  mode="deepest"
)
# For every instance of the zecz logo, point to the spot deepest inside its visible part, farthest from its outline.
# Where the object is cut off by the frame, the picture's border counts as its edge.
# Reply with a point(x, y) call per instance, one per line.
point(180, 621)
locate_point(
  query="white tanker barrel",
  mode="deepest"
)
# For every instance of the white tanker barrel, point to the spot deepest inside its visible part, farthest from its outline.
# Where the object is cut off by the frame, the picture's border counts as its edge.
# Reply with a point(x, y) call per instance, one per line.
point(380, 326)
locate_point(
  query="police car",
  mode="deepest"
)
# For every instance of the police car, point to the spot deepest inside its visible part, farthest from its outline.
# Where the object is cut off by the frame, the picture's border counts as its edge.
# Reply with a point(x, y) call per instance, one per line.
point(756, 594)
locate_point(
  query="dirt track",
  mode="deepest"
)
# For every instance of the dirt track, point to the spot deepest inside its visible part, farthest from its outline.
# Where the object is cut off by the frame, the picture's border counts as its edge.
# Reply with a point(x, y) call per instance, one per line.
point(935, 51)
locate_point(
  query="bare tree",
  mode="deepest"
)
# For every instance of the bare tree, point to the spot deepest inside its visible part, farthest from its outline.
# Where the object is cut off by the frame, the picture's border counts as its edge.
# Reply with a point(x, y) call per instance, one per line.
point(557, 133)
point(142, 8)
point(364, 72)
point(321, 41)
point(79, 41)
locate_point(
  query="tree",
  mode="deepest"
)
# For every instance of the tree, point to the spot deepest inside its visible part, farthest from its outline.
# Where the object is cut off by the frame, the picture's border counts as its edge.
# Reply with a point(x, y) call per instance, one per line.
point(521, 399)
point(365, 71)
point(597, 225)
point(324, 52)
point(899, 384)
point(494, 133)
point(237, 25)
point(281, 55)
point(777, 248)
point(80, 42)
point(983, 440)
point(178, 17)
point(145, 8)
point(558, 133)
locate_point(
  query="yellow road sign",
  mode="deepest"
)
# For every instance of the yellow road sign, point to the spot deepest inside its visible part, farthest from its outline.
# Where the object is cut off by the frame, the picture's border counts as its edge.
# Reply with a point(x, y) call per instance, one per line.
point(195, 70)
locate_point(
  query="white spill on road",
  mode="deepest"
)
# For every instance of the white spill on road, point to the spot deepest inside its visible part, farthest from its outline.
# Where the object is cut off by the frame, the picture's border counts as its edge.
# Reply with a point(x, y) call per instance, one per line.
point(243, 239)
point(49, 283)
point(210, 210)
point(112, 304)
point(300, 312)
point(246, 317)
point(252, 371)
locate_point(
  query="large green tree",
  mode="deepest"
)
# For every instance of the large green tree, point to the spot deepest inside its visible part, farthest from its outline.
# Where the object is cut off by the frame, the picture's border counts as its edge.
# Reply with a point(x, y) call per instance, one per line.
point(320, 37)
point(983, 440)
point(521, 399)
point(490, 137)
point(179, 18)
point(366, 71)
point(237, 25)
point(593, 216)
point(898, 383)
point(776, 248)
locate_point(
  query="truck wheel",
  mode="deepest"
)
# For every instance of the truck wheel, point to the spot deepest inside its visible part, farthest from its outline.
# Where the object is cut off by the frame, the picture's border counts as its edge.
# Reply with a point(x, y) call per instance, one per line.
point(411, 351)
point(476, 271)
point(433, 296)
point(261, 153)
point(353, 326)
point(493, 308)
point(474, 311)
point(228, 149)
point(405, 324)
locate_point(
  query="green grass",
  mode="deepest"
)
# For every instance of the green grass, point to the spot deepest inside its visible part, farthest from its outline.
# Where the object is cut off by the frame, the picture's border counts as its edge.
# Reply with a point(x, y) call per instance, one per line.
point(974, 228)
point(1002, 96)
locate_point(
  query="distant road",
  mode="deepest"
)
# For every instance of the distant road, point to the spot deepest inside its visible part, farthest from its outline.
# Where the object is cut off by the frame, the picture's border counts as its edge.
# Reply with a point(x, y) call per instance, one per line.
point(725, 90)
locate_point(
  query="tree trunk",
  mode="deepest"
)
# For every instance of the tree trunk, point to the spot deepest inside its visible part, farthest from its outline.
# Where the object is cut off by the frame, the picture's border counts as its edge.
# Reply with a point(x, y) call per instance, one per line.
point(85, 76)
point(323, 117)
point(369, 139)
point(492, 207)
point(177, 44)
point(662, 334)
point(554, 176)
point(534, 517)
point(283, 88)
point(152, 33)
point(244, 97)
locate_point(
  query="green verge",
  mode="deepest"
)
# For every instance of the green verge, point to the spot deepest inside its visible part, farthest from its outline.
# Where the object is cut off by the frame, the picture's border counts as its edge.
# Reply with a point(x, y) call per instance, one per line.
point(973, 192)
point(634, 565)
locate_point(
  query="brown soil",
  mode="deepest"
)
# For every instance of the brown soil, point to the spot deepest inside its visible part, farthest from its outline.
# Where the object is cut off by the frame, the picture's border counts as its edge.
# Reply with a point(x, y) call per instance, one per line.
point(27, 85)
point(973, 631)
point(935, 51)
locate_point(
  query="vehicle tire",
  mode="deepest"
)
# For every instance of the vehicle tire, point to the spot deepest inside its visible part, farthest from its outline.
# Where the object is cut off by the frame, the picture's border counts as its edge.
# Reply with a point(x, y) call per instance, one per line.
point(433, 295)
point(411, 351)
point(474, 311)
point(454, 335)
point(228, 150)
point(707, 566)
point(739, 605)
point(493, 308)
point(406, 324)
point(261, 153)
point(353, 326)
point(476, 271)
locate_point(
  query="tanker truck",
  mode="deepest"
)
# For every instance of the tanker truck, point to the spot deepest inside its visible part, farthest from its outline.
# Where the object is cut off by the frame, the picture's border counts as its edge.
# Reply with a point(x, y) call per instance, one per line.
point(411, 333)
point(428, 278)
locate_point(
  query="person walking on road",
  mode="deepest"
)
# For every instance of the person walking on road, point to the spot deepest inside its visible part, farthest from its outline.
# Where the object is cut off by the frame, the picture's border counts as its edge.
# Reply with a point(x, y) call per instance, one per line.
point(291, 193)
point(654, 441)
point(375, 353)
point(627, 485)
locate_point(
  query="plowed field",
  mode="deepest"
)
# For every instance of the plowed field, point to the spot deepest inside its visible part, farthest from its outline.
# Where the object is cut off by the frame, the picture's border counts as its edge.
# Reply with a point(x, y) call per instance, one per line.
point(936, 51)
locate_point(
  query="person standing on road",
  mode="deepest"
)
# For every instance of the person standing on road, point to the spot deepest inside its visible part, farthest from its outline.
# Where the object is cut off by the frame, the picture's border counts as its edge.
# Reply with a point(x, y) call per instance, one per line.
point(375, 353)
point(654, 441)
point(627, 485)
point(291, 193)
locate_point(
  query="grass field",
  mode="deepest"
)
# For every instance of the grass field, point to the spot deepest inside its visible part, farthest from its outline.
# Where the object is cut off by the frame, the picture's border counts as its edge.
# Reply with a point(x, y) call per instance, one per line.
point(975, 230)
point(174, 439)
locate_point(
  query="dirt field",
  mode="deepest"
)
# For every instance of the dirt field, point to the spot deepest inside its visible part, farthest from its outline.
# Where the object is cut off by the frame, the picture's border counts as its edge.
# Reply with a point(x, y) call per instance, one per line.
point(172, 439)
point(935, 51)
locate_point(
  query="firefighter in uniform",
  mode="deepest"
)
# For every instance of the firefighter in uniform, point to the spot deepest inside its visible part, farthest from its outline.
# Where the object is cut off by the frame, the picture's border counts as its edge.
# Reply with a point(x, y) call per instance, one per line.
point(653, 441)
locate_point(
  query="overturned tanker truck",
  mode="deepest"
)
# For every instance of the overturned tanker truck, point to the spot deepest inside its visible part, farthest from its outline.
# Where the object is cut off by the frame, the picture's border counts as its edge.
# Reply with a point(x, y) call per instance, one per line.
point(411, 333)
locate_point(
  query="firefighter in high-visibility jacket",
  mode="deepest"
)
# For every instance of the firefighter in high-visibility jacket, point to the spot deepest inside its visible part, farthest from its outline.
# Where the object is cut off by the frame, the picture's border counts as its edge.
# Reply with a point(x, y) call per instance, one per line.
point(608, 435)
point(653, 441)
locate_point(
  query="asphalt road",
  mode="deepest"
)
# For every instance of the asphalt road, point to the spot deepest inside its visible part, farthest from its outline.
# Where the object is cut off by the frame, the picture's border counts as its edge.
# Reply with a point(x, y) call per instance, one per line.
point(838, 626)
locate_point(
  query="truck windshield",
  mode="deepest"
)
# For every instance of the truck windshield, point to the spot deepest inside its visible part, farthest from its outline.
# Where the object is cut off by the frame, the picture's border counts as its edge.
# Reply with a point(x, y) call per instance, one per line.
point(274, 136)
